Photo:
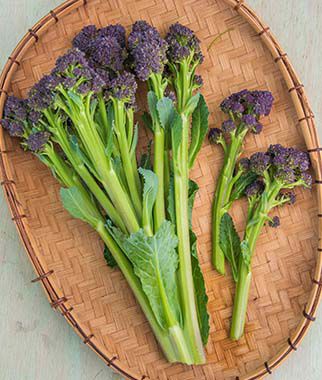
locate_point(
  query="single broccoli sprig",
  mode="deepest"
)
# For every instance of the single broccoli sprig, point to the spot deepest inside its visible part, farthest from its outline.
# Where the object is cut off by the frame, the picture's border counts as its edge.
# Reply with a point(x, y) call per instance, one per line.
point(147, 55)
point(278, 172)
point(244, 110)
point(184, 55)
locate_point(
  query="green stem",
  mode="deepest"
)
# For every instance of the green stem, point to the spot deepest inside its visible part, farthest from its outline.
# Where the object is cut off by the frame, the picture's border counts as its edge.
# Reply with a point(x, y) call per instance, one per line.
point(181, 176)
point(222, 196)
point(110, 181)
point(155, 82)
point(158, 166)
point(131, 173)
point(78, 165)
point(253, 229)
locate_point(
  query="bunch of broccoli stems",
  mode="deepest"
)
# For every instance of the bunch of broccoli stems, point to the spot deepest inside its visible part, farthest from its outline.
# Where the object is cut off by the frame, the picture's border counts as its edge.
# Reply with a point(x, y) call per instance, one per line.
point(79, 121)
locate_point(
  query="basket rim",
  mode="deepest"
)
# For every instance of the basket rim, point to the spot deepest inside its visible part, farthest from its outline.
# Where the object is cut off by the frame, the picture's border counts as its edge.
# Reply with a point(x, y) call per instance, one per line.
point(308, 127)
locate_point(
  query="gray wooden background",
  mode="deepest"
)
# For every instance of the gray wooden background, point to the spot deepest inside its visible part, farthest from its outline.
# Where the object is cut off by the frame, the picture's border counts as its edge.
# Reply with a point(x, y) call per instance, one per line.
point(35, 342)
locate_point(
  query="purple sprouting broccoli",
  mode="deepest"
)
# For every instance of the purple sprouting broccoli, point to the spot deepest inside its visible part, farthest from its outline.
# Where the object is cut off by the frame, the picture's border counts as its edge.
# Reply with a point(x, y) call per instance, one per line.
point(184, 55)
point(123, 88)
point(104, 48)
point(15, 116)
point(279, 171)
point(244, 110)
point(274, 222)
point(115, 31)
point(183, 44)
point(147, 51)
point(85, 37)
point(36, 141)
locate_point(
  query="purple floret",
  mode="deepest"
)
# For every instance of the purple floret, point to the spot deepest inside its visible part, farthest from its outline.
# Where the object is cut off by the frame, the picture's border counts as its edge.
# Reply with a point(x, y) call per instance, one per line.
point(15, 108)
point(15, 128)
point(244, 164)
point(285, 175)
point(147, 50)
point(123, 88)
point(275, 222)
point(106, 52)
point(72, 58)
point(257, 128)
point(254, 189)
point(249, 105)
point(263, 102)
point(259, 162)
point(37, 141)
point(292, 197)
point(307, 179)
point(84, 38)
point(215, 135)
point(42, 94)
point(228, 126)
point(249, 120)
point(116, 31)
point(198, 81)
point(182, 44)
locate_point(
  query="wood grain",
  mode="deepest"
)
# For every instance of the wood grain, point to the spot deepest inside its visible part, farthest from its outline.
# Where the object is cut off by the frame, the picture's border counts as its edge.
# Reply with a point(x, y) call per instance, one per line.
point(10, 282)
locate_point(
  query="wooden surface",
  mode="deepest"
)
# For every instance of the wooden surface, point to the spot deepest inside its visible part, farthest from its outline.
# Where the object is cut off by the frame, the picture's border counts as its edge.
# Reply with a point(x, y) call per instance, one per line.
point(56, 352)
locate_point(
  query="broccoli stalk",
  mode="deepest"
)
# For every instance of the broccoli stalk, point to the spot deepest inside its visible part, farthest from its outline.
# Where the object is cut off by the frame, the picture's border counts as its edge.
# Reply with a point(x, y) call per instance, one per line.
point(184, 56)
point(244, 110)
point(278, 169)
point(148, 56)
point(79, 121)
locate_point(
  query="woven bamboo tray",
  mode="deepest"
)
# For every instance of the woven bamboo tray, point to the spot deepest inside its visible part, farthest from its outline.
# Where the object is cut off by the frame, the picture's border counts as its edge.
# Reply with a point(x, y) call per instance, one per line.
point(67, 255)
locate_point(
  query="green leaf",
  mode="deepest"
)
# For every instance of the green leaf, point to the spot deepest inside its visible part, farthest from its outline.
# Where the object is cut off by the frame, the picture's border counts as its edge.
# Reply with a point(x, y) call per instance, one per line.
point(198, 130)
point(176, 134)
point(166, 112)
point(110, 261)
point(147, 120)
point(77, 99)
point(155, 262)
point(200, 290)
point(241, 184)
point(245, 253)
point(152, 103)
point(230, 243)
point(193, 188)
point(171, 202)
point(192, 104)
point(150, 190)
point(134, 141)
point(80, 206)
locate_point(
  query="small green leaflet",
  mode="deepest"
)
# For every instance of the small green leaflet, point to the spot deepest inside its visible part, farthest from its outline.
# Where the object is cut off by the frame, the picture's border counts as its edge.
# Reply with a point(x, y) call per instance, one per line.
point(147, 120)
point(150, 190)
point(166, 112)
point(241, 184)
point(134, 141)
point(80, 205)
point(155, 262)
point(171, 207)
point(192, 104)
point(193, 188)
point(152, 103)
point(199, 129)
point(200, 290)
point(245, 253)
point(230, 243)
point(176, 134)
point(110, 261)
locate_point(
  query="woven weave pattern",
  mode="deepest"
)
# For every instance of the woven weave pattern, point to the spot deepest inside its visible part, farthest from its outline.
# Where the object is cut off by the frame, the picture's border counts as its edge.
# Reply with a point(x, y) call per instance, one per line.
point(285, 258)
